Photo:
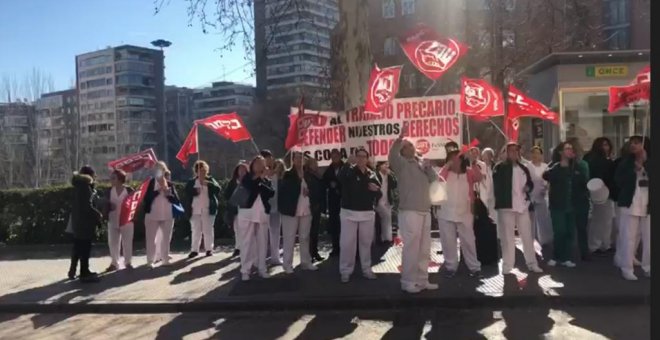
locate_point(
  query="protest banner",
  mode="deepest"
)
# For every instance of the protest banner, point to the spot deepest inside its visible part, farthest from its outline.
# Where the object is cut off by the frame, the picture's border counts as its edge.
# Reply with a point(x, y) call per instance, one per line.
point(431, 122)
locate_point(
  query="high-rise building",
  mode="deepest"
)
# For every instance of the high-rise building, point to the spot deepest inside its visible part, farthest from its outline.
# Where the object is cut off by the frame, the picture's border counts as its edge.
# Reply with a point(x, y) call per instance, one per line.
point(120, 103)
point(222, 97)
point(57, 131)
point(17, 123)
point(292, 48)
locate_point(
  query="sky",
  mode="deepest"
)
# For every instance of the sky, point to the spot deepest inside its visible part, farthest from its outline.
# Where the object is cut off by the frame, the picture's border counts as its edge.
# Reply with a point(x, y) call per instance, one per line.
point(48, 34)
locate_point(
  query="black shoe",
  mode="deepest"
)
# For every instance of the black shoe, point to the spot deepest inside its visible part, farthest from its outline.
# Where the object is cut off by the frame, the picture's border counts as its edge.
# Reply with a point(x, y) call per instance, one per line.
point(209, 253)
point(334, 254)
point(72, 275)
point(192, 255)
point(449, 274)
point(476, 274)
point(236, 253)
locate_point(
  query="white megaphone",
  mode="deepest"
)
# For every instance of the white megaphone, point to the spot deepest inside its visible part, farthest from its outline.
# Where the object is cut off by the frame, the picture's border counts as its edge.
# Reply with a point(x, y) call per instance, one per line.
point(438, 192)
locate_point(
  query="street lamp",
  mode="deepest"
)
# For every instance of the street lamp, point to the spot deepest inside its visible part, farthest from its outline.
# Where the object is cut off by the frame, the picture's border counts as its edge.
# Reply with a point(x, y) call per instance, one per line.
point(162, 43)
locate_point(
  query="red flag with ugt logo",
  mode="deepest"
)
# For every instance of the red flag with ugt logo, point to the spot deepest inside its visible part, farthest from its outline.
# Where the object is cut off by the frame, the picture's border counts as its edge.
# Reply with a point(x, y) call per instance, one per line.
point(621, 96)
point(511, 127)
point(644, 76)
point(135, 162)
point(519, 105)
point(432, 54)
point(383, 87)
point(189, 146)
point(299, 124)
point(480, 99)
point(130, 204)
point(229, 126)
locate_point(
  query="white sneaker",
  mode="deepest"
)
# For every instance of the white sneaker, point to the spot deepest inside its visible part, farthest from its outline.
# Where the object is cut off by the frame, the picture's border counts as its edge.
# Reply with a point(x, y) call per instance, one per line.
point(309, 267)
point(535, 269)
point(428, 286)
point(245, 277)
point(411, 289)
point(345, 278)
point(264, 275)
point(568, 264)
point(629, 276)
point(552, 263)
point(369, 275)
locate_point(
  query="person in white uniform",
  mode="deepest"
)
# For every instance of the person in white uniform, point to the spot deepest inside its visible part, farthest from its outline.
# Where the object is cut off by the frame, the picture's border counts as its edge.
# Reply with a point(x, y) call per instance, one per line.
point(455, 219)
point(360, 192)
point(294, 206)
point(415, 176)
point(486, 192)
point(202, 192)
point(159, 219)
point(253, 219)
point(275, 176)
point(632, 177)
point(513, 185)
point(120, 237)
point(384, 207)
point(541, 221)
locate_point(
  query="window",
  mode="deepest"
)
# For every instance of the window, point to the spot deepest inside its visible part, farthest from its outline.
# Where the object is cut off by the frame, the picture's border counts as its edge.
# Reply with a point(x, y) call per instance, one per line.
point(390, 47)
point(389, 9)
point(408, 7)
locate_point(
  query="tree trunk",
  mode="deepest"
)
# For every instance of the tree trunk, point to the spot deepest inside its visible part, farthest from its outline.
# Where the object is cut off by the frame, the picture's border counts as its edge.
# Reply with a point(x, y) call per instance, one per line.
point(353, 61)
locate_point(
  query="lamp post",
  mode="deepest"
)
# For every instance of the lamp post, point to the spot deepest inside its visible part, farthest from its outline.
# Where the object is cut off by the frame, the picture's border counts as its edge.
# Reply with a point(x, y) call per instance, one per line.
point(162, 44)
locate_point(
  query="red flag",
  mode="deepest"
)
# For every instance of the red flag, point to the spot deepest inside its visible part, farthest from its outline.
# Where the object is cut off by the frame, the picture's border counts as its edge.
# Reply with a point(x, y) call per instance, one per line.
point(511, 126)
point(135, 162)
point(229, 126)
point(298, 125)
point(383, 87)
point(465, 148)
point(480, 99)
point(130, 204)
point(519, 105)
point(644, 76)
point(432, 54)
point(621, 96)
point(189, 146)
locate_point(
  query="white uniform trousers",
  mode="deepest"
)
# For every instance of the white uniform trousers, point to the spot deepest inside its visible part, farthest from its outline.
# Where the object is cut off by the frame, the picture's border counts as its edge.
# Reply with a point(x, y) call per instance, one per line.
point(631, 226)
point(415, 232)
point(120, 240)
point(600, 226)
point(160, 250)
point(384, 212)
point(355, 234)
point(506, 227)
point(237, 235)
point(449, 232)
point(542, 223)
point(254, 245)
point(292, 225)
point(618, 255)
point(202, 225)
point(275, 229)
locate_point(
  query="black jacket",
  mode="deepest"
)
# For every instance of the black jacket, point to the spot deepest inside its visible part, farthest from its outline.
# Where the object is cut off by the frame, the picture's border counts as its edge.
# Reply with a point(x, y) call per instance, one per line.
point(289, 192)
point(84, 215)
point(391, 186)
point(601, 167)
point(256, 187)
point(626, 180)
point(330, 179)
point(150, 196)
point(568, 185)
point(230, 210)
point(355, 194)
point(317, 191)
point(503, 184)
point(213, 191)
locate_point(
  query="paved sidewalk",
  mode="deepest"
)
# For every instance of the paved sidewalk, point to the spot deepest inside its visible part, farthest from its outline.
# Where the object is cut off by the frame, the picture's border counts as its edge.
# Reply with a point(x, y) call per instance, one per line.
point(38, 285)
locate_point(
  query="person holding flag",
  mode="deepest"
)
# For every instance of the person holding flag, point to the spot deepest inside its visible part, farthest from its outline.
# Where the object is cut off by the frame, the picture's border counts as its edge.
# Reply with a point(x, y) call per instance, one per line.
point(119, 236)
point(512, 183)
point(415, 176)
point(202, 207)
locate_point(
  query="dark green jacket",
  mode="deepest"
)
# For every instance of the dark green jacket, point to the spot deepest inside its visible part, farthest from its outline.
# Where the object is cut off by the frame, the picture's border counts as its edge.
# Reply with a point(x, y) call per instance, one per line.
point(84, 215)
point(568, 185)
point(289, 192)
point(355, 193)
point(213, 191)
point(626, 179)
point(503, 183)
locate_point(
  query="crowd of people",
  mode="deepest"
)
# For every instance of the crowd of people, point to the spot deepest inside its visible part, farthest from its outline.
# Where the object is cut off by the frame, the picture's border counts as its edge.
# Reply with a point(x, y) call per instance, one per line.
point(598, 201)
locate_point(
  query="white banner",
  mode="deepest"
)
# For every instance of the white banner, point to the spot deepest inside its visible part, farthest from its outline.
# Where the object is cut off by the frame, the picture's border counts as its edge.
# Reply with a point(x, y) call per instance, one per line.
point(431, 122)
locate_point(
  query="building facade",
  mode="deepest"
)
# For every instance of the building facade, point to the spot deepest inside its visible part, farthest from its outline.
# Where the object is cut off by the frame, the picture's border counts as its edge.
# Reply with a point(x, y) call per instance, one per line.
point(121, 103)
point(223, 97)
point(17, 145)
point(57, 136)
point(292, 48)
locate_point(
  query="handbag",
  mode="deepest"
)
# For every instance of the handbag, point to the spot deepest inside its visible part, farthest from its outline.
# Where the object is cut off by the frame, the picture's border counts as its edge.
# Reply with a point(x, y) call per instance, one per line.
point(177, 210)
point(239, 198)
point(69, 226)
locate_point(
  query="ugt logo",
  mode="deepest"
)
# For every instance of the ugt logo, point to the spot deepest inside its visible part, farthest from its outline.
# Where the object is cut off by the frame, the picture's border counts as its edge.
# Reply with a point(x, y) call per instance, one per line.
point(435, 56)
point(476, 96)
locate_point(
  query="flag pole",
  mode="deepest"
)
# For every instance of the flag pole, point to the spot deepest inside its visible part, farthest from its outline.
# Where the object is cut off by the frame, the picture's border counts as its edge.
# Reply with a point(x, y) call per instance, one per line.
point(256, 148)
point(497, 127)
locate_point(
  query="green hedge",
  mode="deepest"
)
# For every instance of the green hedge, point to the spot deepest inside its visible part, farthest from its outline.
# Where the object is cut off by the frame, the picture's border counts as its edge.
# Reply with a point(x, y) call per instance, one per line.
point(40, 216)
